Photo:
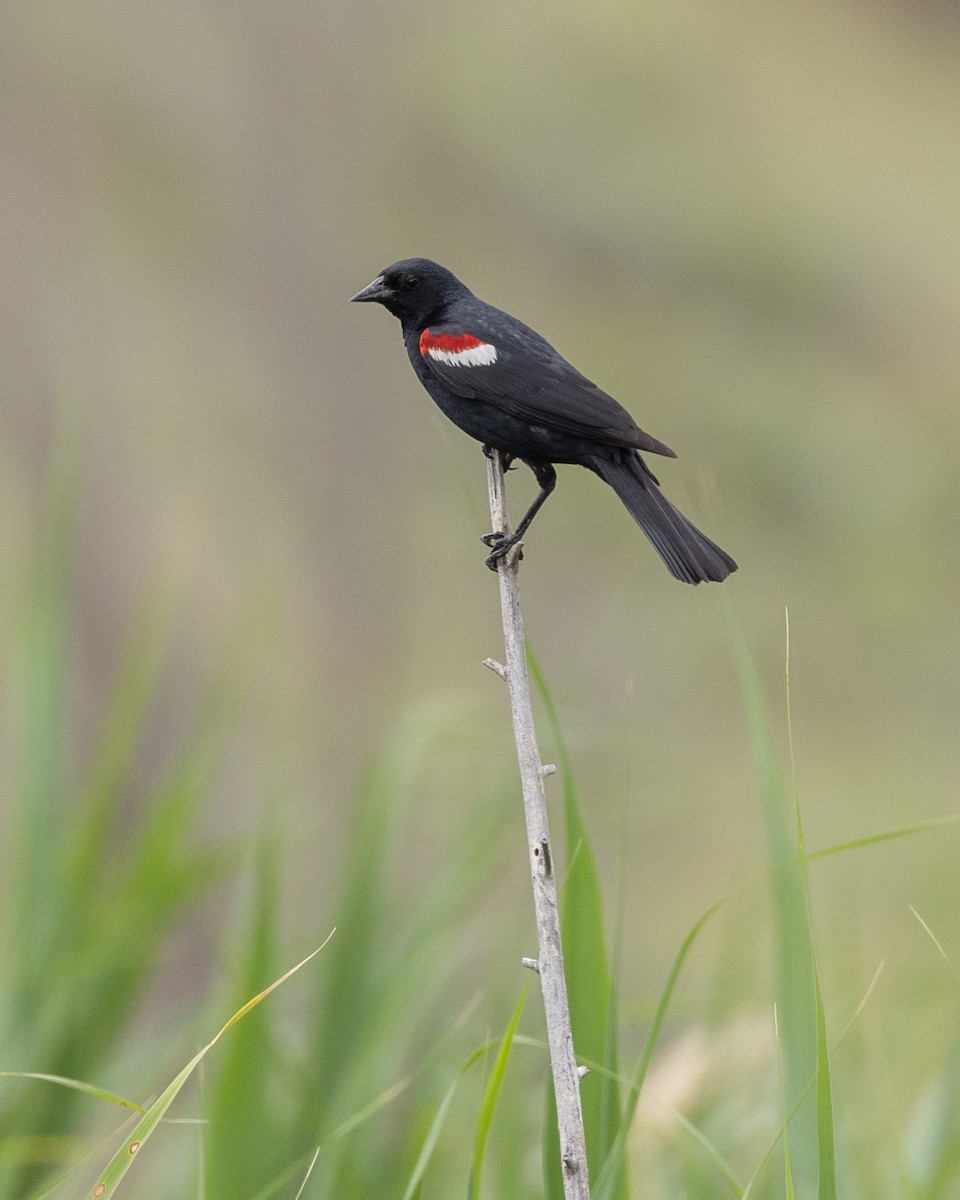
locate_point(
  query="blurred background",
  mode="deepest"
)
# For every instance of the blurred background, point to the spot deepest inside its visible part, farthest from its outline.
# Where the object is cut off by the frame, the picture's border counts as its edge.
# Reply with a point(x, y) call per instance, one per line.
point(741, 219)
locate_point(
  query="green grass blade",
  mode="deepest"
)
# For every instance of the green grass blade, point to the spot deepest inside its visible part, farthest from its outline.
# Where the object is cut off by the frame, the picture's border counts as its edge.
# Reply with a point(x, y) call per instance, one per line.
point(430, 1142)
point(121, 736)
point(788, 1187)
point(121, 1162)
point(278, 1185)
point(607, 1180)
point(827, 1174)
point(826, 1163)
point(783, 1131)
point(725, 1172)
point(245, 1138)
point(346, 1004)
point(793, 940)
point(604, 1181)
point(490, 1096)
point(931, 1145)
point(378, 1103)
point(36, 687)
point(886, 835)
point(78, 1085)
point(306, 1178)
point(386, 1098)
point(937, 943)
point(388, 956)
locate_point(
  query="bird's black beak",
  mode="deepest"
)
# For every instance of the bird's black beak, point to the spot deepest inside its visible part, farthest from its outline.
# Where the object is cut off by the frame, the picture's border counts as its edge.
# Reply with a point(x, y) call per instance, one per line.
point(376, 291)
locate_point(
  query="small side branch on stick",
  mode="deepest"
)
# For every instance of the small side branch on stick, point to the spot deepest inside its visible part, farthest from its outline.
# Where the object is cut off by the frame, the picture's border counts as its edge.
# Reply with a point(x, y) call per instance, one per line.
point(549, 962)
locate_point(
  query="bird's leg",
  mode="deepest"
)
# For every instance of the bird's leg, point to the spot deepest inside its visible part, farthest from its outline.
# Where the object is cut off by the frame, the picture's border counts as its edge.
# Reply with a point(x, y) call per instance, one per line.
point(503, 543)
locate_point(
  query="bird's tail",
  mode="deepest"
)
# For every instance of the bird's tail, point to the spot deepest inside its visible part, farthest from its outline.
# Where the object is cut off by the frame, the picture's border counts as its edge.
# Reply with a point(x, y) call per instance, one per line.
point(690, 556)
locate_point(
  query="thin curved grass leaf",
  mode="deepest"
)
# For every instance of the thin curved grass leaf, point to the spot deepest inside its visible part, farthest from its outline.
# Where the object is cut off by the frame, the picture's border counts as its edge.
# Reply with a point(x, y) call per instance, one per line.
point(825, 1131)
point(116, 1169)
point(234, 1162)
point(306, 1178)
point(436, 1126)
point(430, 1141)
point(78, 1085)
point(490, 1096)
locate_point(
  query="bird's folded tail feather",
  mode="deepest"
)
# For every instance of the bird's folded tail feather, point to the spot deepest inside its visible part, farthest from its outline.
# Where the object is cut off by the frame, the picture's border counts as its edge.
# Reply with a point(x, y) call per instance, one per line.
point(689, 555)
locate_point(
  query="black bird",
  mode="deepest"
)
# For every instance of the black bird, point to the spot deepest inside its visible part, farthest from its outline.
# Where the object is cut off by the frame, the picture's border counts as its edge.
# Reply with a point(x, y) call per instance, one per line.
point(506, 386)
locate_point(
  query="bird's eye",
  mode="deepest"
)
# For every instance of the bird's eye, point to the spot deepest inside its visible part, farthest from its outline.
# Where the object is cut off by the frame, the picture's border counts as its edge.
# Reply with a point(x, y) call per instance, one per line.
point(409, 282)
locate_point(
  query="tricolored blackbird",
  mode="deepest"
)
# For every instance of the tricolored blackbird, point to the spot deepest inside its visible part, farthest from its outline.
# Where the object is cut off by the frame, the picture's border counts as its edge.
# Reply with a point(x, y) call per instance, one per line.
point(508, 388)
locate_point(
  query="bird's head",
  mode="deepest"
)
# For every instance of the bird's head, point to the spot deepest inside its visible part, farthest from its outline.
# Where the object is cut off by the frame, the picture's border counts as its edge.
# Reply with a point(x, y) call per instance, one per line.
point(415, 289)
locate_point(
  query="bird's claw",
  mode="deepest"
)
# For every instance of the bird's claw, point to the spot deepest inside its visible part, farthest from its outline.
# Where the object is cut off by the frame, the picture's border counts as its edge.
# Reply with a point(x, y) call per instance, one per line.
point(506, 460)
point(502, 544)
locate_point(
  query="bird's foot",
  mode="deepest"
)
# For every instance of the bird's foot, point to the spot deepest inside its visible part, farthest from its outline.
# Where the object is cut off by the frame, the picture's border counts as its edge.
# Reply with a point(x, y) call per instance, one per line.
point(506, 460)
point(501, 544)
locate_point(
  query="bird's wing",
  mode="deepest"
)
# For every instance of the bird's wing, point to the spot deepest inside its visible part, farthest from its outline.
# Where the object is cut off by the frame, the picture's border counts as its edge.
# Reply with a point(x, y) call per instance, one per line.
point(497, 360)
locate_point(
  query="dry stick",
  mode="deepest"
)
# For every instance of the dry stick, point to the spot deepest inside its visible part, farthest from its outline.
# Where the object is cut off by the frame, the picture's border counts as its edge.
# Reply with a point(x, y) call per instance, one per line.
point(549, 964)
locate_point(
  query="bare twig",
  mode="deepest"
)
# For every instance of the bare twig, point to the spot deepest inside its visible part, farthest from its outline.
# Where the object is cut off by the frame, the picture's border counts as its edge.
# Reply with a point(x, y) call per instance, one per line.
point(549, 963)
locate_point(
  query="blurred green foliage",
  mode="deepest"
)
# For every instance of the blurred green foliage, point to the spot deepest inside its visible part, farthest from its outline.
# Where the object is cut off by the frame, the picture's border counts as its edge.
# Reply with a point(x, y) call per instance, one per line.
point(741, 220)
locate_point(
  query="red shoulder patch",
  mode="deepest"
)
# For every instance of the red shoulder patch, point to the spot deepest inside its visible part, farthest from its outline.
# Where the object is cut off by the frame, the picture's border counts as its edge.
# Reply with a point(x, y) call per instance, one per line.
point(453, 343)
point(457, 349)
